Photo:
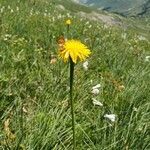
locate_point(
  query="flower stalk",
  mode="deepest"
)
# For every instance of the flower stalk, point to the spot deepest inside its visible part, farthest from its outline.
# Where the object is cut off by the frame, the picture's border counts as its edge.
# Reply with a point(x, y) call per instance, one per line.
point(68, 23)
point(68, 27)
point(72, 51)
point(71, 101)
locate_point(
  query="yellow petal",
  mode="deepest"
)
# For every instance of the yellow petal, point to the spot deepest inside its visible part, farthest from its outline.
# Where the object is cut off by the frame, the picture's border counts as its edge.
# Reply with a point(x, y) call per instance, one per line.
point(74, 49)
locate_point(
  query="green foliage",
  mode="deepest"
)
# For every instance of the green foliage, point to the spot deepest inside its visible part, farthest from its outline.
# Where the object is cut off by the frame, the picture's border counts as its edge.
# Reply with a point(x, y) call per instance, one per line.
point(34, 91)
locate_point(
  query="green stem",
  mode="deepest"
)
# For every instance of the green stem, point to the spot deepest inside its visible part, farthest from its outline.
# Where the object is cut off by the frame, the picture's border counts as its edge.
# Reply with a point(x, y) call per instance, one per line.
point(71, 101)
point(68, 28)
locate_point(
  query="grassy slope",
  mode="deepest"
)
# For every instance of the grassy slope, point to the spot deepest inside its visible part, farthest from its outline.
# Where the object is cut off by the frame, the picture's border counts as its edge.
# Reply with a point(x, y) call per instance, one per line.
point(73, 7)
point(140, 25)
point(34, 92)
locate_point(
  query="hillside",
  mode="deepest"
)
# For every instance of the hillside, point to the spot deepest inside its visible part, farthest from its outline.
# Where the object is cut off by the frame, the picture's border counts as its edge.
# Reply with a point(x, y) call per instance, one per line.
point(34, 80)
point(123, 7)
point(140, 24)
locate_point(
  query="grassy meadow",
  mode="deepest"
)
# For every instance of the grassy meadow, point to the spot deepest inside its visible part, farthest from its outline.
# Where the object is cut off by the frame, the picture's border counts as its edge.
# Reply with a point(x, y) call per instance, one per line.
point(34, 81)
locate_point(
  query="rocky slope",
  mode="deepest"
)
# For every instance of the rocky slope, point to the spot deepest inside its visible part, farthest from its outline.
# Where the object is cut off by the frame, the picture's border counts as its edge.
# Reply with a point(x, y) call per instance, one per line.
point(123, 7)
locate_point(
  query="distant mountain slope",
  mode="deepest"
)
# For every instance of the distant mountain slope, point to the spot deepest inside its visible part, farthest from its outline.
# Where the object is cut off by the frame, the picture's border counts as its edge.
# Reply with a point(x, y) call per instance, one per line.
point(146, 8)
point(124, 7)
point(139, 24)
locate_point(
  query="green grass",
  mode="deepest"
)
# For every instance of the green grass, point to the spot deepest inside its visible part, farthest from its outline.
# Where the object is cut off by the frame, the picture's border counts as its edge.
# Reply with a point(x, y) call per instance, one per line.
point(74, 7)
point(34, 93)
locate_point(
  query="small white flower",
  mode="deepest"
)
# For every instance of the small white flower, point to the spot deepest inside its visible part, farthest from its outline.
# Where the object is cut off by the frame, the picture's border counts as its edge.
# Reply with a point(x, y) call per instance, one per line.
point(8, 35)
point(95, 91)
point(90, 26)
point(68, 15)
point(111, 117)
point(17, 8)
point(142, 38)
point(5, 39)
point(135, 109)
point(96, 102)
point(9, 7)
point(2, 10)
point(11, 10)
point(96, 86)
point(147, 58)
point(87, 23)
point(85, 65)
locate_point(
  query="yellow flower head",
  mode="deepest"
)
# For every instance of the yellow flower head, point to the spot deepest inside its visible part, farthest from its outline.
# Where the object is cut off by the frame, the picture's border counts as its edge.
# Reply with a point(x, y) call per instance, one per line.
point(75, 50)
point(68, 22)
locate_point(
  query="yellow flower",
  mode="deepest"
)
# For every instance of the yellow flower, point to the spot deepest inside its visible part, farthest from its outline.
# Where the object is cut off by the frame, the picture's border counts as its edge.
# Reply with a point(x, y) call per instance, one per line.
point(68, 22)
point(75, 50)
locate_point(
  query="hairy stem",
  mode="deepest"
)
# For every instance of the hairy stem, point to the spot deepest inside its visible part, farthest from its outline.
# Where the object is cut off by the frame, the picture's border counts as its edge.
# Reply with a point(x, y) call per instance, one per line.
point(71, 101)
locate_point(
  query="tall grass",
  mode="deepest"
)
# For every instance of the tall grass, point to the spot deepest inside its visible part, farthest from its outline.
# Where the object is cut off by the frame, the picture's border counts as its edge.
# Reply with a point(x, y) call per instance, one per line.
point(34, 92)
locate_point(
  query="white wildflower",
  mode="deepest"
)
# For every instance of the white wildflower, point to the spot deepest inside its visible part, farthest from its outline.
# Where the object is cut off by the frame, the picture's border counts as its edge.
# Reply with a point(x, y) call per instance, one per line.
point(135, 109)
point(87, 23)
point(110, 125)
point(111, 117)
point(7, 36)
point(3, 7)
point(86, 39)
point(147, 58)
point(85, 65)
point(5, 39)
point(17, 8)
point(142, 38)
point(96, 86)
point(95, 91)
point(68, 15)
point(9, 7)
point(96, 102)
point(90, 26)
point(11, 10)
point(2, 10)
